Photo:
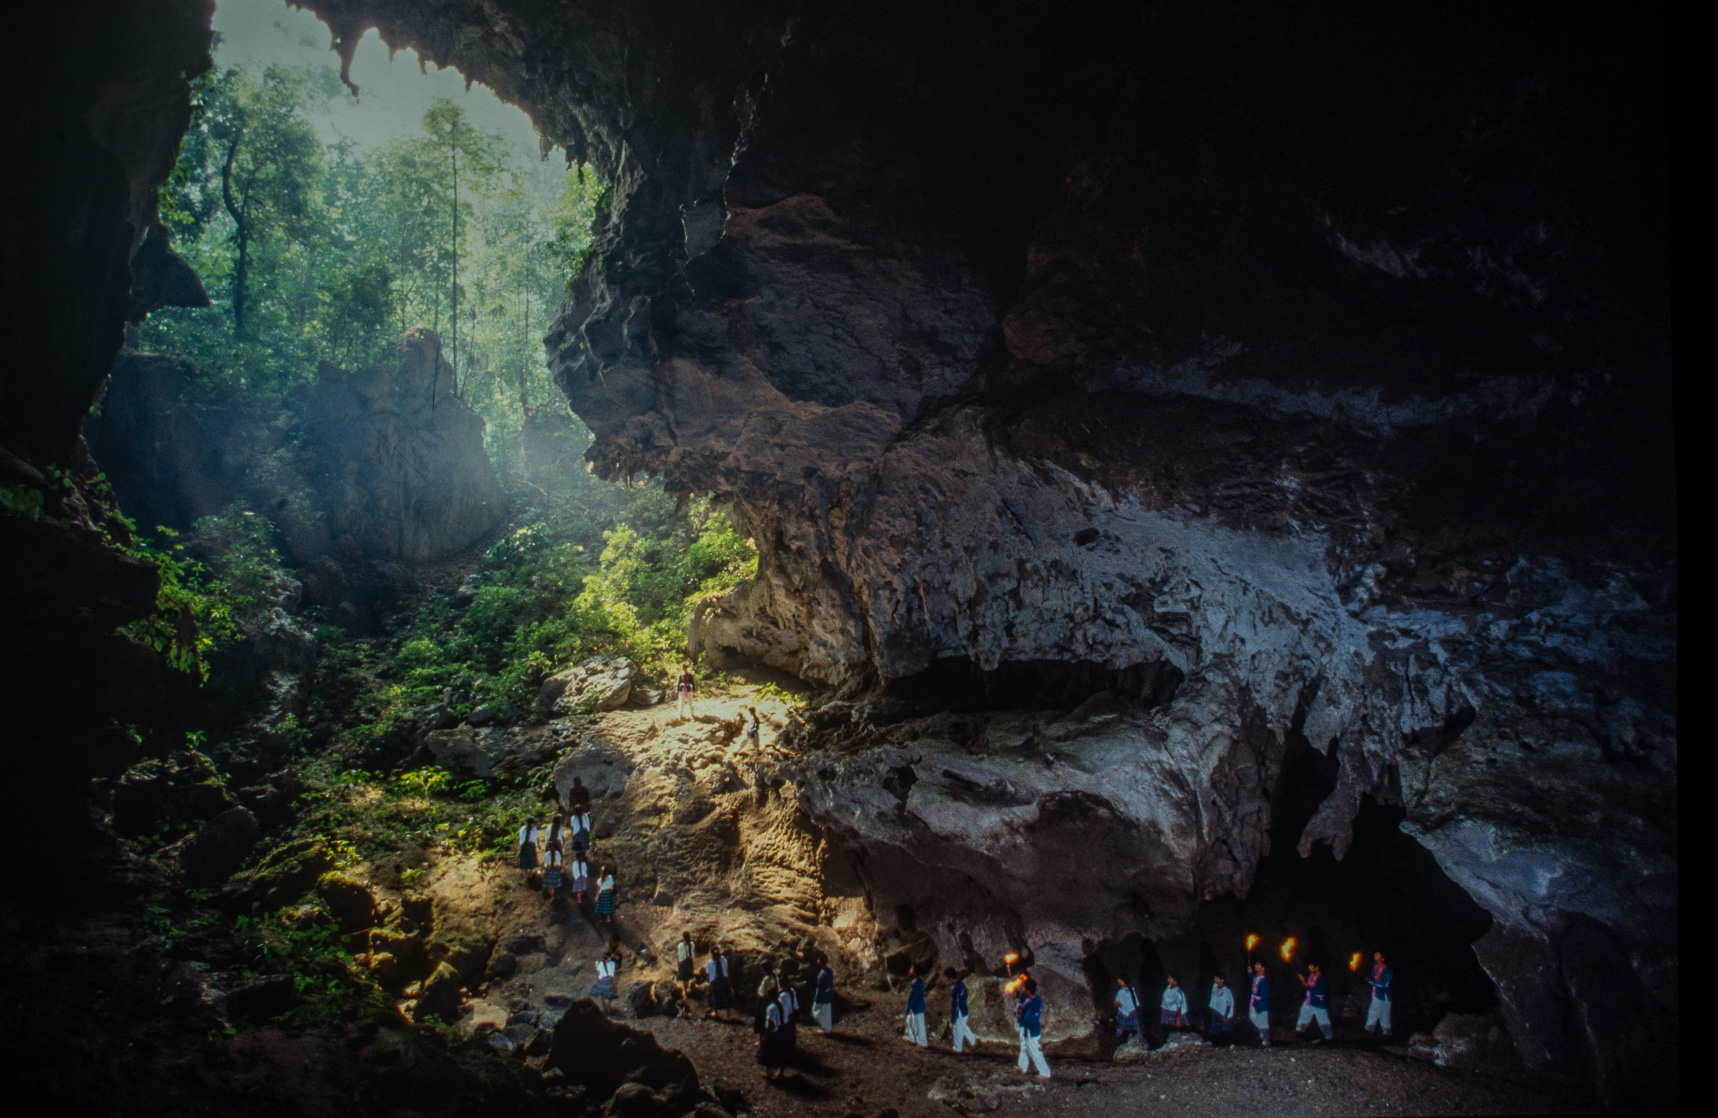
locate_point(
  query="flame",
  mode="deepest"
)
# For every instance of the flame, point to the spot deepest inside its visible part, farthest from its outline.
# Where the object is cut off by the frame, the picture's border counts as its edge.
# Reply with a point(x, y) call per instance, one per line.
point(1354, 961)
point(1014, 983)
point(1287, 949)
point(1252, 942)
point(1011, 958)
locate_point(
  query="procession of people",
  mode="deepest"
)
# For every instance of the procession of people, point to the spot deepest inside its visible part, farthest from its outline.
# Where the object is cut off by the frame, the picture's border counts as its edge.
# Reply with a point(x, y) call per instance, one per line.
point(559, 856)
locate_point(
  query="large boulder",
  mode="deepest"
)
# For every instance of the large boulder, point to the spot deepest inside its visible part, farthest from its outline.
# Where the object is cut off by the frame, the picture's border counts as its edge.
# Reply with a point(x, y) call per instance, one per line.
point(602, 1054)
point(598, 684)
point(351, 902)
point(439, 997)
point(490, 751)
point(182, 787)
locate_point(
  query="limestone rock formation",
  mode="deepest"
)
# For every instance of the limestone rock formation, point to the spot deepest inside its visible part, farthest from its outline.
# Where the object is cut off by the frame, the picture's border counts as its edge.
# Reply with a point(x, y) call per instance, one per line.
point(377, 464)
point(598, 684)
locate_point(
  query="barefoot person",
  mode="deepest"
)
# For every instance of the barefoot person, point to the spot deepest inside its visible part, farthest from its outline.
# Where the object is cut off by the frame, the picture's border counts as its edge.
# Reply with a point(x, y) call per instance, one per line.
point(683, 953)
point(1378, 1013)
point(823, 998)
point(580, 826)
point(1259, 1005)
point(683, 694)
point(721, 986)
point(1314, 1008)
point(605, 895)
point(1174, 1005)
point(528, 850)
point(1031, 1029)
point(958, 1012)
point(916, 1009)
point(1222, 1023)
point(604, 988)
point(1127, 1010)
point(754, 728)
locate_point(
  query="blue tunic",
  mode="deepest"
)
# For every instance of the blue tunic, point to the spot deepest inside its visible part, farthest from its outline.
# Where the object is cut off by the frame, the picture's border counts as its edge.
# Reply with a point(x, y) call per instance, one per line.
point(1380, 982)
point(957, 1000)
point(1315, 993)
point(825, 993)
point(916, 996)
point(1031, 1016)
point(1261, 999)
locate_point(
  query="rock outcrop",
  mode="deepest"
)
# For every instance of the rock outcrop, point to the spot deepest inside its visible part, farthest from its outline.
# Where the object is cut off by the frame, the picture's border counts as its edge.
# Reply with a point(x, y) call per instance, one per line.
point(374, 465)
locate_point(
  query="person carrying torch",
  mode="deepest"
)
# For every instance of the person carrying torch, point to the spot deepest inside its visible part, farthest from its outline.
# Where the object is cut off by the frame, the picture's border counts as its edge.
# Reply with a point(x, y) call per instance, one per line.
point(1315, 1007)
point(1378, 1013)
point(1031, 1017)
point(916, 1009)
point(1259, 1005)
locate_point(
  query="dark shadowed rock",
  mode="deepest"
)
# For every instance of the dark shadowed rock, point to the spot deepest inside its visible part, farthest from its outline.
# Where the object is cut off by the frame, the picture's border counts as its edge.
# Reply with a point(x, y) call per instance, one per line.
point(263, 998)
point(602, 1054)
point(213, 854)
point(286, 874)
point(440, 995)
point(351, 902)
point(185, 786)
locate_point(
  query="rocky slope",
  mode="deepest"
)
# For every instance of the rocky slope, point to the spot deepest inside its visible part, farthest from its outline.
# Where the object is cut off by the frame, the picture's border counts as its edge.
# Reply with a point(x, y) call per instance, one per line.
point(1319, 367)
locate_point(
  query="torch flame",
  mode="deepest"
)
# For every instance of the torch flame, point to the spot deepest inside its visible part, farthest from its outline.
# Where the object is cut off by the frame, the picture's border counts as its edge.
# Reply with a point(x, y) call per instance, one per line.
point(1011, 958)
point(1252, 942)
point(1287, 949)
point(1014, 983)
point(1354, 961)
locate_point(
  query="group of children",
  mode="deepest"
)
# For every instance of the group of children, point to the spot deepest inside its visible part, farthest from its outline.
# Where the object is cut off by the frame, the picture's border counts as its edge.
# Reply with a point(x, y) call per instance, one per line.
point(561, 852)
point(1314, 1008)
point(1028, 1017)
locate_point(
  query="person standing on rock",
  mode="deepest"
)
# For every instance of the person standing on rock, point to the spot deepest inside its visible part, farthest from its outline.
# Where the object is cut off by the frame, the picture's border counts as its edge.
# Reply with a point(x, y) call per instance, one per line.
point(605, 895)
point(557, 834)
point(1378, 1013)
point(916, 1009)
point(754, 728)
point(1031, 1030)
point(823, 998)
point(1127, 1010)
point(1222, 1022)
point(578, 796)
point(721, 988)
point(958, 1012)
point(683, 694)
point(1174, 1005)
point(580, 826)
point(551, 872)
point(684, 952)
point(774, 1045)
point(528, 850)
point(1315, 1007)
point(1259, 1005)
point(580, 872)
point(604, 988)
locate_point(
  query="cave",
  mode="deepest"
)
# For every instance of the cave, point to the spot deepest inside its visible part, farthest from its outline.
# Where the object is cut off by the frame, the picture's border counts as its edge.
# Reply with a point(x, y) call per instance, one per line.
point(1167, 474)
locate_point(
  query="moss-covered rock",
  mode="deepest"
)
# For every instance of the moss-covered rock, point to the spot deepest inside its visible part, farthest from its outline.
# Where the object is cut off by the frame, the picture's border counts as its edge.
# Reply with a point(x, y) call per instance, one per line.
point(350, 901)
point(280, 878)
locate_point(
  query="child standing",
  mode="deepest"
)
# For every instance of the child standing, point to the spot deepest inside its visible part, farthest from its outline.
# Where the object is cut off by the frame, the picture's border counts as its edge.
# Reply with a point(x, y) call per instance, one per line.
point(580, 872)
point(1127, 1010)
point(528, 850)
point(605, 896)
point(823, 998)
point(551, 872)
point(1222, 1021)
point(721, 991)
point(604, 987)
point(1174, 1006)
point(1314, 1008)
point(683, 694)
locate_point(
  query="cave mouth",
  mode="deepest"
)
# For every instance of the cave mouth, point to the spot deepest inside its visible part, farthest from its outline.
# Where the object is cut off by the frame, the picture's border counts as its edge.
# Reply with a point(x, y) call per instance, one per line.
point(957, 683)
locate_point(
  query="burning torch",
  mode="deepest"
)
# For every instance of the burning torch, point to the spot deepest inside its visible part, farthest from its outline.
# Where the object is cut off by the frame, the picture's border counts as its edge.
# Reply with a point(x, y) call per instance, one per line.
point(1252, 942)
point(1287, 950)
point(1354, 963)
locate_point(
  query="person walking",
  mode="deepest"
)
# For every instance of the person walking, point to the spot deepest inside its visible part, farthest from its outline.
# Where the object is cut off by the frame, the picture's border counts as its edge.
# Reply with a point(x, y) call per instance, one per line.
point(1378, 1013)
point(823, 997)
point(580, 826)
point(959, 1013)
point(1259, 1005)
point(767, 990)
point(551, 872)
point(556, 833)
point(788, 1000)
point(1174, 1006)
point(774, 1045)
point(605, 896)
point(579, 871)
point(1222, 1023)
point(1127, 1010)
point(1315, 1008)
point(754, 728)
point(684, 952)
point(1031, 1029)
point(721, 987)
point(604, 988)
point(683, 694)
point(916, 1009)
point(528, 835)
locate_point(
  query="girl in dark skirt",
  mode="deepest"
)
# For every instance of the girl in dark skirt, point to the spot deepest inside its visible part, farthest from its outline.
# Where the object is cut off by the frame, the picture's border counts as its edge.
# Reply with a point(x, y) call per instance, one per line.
point(1174, 1006)
point(551, 873)
point(580, 826)
point(604, 987)
point(721, 987)
point(605, 896)
point(580, 872)
point(528, 850)
point(775, 1044)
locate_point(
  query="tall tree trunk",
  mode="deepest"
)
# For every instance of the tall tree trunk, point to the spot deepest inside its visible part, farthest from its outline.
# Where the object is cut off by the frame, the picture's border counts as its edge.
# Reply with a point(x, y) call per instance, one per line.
point(241, 221)
point(454, 318)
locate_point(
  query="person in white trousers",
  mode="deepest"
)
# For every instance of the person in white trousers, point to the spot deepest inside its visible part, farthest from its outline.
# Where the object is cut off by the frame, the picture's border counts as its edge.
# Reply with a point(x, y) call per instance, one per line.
point(823, 999)
point(1378, 1013)
point(1031, 1029)
point(916, 1010)
point(959, 1014)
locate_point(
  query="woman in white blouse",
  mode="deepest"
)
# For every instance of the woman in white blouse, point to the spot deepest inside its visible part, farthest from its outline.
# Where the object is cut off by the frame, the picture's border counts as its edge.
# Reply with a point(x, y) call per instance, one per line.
point(528, 850)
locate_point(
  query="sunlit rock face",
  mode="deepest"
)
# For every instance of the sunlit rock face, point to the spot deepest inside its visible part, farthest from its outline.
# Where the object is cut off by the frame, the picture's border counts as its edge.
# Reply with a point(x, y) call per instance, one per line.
point(1327, 364)
point(383, 463)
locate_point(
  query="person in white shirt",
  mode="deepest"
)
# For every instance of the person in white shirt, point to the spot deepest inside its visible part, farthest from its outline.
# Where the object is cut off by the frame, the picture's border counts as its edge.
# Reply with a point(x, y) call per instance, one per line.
point(579, 871)
point(684, 952)
point(528, 850)
point(1174, 1006)
point(1127, 1010)
point(721, 984)
point(1222, 1022)
point(604, 988)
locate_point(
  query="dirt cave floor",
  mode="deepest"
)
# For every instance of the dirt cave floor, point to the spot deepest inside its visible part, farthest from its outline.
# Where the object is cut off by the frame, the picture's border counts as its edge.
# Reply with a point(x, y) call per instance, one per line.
point(706, 843)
